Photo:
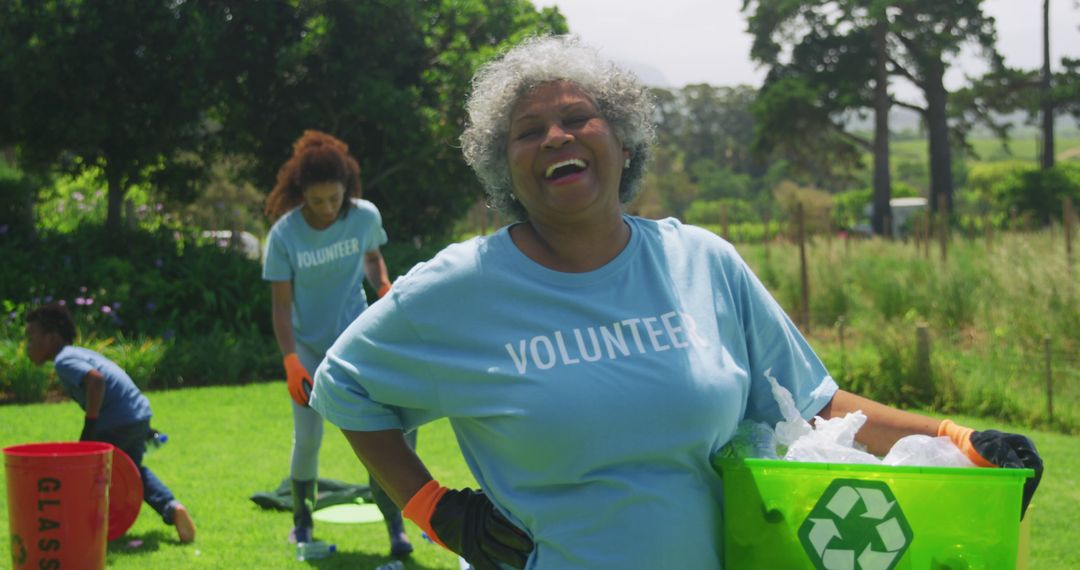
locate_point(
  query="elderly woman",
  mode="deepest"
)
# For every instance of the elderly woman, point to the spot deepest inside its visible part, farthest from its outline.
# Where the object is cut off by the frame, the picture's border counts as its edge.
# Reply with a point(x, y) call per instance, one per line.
point(590, 362)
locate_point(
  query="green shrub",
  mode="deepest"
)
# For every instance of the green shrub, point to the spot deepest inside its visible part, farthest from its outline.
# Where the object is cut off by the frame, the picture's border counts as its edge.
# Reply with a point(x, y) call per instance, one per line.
point(26, 382)
point(713, 212)
point(140, 358)
point(149, 283)
point(1038, 192)
point(16, 203)
point(217, 358)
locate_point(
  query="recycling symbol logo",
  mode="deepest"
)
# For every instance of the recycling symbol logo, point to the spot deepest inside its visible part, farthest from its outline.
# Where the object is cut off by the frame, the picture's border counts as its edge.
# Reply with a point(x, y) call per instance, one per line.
point(856, 525)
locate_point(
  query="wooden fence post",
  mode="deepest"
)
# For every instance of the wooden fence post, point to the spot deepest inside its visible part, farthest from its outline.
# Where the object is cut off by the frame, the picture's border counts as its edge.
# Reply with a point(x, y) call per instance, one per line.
point(943, 227)
point(766, 233)
point(1070, 225)
point(922, 360)
point(843, 348)
point(724, 221)
point(800, 227)
point(1047, 350)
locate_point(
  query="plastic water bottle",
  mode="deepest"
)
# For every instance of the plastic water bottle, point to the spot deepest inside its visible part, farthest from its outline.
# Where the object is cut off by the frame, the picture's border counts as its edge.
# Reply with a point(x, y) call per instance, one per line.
point(392, 565)
point(314, 550)
point(155, 439)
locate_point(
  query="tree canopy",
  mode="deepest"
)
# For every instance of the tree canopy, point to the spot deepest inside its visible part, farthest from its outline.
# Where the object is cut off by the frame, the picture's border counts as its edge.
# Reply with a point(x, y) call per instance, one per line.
point(119, 86)
point(134, 88)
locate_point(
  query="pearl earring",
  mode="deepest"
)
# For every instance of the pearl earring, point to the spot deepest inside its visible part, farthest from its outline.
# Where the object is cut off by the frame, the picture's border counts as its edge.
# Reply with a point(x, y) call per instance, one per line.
point(626, 164)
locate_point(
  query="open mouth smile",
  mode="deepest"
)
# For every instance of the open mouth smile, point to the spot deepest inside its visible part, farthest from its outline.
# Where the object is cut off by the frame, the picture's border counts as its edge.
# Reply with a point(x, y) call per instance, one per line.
point(564, 168)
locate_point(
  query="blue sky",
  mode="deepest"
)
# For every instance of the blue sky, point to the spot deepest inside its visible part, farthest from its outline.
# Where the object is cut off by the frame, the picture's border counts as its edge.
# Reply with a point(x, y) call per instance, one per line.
point(676, 42)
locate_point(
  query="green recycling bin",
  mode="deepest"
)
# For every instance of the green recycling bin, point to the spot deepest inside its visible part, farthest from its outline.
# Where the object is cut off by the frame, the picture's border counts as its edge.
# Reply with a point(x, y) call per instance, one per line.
point(825, 516)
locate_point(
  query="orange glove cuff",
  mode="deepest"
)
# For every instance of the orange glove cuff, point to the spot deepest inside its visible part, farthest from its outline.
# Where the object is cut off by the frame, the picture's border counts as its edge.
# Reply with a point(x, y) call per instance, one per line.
point(422, 505)
point(384, 290)
point(961, 438)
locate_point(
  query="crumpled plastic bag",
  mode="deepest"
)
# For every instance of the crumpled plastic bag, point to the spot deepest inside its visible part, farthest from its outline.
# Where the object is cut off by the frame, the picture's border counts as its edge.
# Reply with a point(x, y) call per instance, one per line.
point(833, 440)
point(926, 451)
point(793, 426)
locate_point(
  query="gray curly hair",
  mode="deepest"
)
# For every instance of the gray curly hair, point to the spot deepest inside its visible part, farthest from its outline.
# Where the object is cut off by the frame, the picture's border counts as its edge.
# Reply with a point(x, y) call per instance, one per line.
point(622, 100)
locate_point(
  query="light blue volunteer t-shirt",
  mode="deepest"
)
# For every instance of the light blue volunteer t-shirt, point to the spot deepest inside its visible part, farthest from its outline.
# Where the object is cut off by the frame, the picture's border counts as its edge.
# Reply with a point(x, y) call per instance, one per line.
point(123, 403)
point(587, 405)
point(326, 268)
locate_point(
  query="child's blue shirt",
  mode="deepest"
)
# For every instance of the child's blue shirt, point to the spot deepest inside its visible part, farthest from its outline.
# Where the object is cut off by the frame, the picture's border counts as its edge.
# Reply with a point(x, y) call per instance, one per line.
point(123, 404)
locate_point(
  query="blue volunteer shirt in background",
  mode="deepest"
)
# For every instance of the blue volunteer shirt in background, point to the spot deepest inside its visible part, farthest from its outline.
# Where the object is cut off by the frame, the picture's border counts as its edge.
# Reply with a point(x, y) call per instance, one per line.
point(326, 268)
point(587, 405)
point(123, 404)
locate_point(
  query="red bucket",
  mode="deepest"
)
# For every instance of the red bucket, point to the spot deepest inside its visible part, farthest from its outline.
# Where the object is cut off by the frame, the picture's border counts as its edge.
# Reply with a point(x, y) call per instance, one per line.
point(58, 504)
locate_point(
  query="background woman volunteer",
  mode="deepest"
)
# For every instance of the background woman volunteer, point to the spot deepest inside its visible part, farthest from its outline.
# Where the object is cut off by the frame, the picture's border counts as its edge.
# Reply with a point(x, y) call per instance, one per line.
point(324, 241)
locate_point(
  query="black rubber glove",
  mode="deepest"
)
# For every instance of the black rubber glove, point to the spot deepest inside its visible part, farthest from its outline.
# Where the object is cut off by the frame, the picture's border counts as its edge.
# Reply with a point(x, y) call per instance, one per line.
point(89, 425)
point(468, 524)
point(1011, 450)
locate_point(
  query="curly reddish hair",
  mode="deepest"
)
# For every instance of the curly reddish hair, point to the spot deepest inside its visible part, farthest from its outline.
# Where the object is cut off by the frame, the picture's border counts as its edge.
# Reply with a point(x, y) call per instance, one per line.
point(317, 157)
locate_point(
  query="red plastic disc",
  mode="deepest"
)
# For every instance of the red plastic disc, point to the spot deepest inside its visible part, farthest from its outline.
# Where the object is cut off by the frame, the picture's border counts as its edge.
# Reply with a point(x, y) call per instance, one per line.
point(125, 494)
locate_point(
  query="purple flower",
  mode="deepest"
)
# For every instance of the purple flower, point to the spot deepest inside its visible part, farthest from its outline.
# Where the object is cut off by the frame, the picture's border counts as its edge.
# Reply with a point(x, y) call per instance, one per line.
point(158, 263)
point(106, 309)
point(3, 229)
point(78, 196)
point(116, 305)
point(62, 302)
point(80, 301)
point(82, 289)
point(150, 306)
point(48, 298)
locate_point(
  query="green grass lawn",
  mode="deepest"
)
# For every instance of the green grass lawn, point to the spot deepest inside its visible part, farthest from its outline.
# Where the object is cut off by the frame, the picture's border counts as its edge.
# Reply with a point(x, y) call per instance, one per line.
point(229, 442)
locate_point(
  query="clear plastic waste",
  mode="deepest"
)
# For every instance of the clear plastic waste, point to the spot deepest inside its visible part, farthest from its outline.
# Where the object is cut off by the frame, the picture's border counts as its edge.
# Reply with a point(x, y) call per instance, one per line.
point(314, 550)
point(793, 426)
point(923, 450)
point(155, 439)
point(832, 440)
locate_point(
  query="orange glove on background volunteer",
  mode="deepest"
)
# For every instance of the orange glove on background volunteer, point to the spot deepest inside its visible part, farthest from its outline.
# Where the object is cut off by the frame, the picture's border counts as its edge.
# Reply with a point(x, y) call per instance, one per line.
point(467, 523)
point(298, 379)
point(992, 448)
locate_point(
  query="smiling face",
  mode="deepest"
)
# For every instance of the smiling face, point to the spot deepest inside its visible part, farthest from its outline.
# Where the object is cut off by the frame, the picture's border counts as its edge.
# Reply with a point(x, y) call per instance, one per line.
point(322, 203)
point(565, 160)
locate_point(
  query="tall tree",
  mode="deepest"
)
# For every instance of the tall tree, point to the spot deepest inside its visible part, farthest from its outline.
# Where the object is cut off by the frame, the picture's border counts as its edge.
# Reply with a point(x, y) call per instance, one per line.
point(1046, 93)
point(818, 79)
point(922, 36)
point(931, 33)
point(389, 78)
point(111, 85)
